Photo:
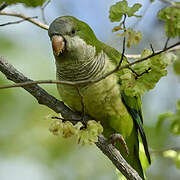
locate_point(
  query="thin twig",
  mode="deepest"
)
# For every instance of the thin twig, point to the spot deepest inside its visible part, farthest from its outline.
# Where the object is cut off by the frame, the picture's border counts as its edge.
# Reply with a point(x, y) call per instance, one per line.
point(139, 75)
point(170, 3)
point(146, 71)
point(39, 24)
point(43, 9)
point(73, 121)
point(46, 99)
point(124, 42)
point(138, 56)
point(16, 22)
point(159, 152)
point(151, 46)
point(84, 82)
point(166, 43)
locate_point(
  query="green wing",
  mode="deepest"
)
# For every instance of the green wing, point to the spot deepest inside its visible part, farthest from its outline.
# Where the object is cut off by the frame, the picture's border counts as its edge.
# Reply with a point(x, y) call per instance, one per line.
point(133, 104)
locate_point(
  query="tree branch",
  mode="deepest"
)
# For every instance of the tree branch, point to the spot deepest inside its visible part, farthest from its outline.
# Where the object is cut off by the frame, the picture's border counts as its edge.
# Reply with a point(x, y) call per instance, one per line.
point(59, 107)
point(124, 42)
point(138, 56)
point(116, 158)
point(17, 22)
point(37, 23)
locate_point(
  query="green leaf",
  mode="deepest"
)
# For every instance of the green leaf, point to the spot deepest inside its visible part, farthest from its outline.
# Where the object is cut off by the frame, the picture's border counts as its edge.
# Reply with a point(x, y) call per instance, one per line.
point(177, 160)
point(117, 10)
point(170, 154)
point(171, 16)
point(118, 28)
point(29, 3)
point(176, 64)
point(175, 126)
point(178, 106)
point(162, 118)
point(134, 9)
point(176, 67)
point(133, 37)
point(175, 121)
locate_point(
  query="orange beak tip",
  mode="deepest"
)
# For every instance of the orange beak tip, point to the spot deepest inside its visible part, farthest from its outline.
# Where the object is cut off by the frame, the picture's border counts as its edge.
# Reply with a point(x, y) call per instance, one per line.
point(58, 44)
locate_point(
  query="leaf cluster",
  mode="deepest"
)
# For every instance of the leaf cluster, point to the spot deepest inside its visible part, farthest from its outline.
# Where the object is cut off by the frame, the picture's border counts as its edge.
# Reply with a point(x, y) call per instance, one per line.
point(120, 8)
point(133, 37)
point(174, 120)
point(115, 15)
point(174, 128)
point(171, 16)
point(145, 74)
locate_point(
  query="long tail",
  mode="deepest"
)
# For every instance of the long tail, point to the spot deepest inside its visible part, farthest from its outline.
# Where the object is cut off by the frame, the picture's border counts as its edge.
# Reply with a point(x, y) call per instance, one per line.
point(133, 141)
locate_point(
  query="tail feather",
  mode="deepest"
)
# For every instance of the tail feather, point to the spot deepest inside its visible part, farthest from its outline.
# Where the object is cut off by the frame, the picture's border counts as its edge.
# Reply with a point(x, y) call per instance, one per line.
point(144, 140)
point(138, 122)
point(139, 127)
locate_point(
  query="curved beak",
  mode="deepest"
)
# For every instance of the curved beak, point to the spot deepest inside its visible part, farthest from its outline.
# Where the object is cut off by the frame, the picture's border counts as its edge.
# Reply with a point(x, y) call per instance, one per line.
point(58, 44)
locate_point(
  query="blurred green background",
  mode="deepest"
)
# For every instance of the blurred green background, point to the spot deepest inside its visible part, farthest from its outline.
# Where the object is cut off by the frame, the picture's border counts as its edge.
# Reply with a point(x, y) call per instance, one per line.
point(27, 149)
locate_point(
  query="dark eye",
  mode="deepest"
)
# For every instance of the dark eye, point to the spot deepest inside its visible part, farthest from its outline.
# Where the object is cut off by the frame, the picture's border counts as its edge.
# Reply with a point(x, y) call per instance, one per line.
point(73, 31)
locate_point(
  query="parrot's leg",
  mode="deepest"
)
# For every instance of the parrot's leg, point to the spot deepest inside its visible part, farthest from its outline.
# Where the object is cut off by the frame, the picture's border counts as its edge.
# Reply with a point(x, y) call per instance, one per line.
point(119, 138)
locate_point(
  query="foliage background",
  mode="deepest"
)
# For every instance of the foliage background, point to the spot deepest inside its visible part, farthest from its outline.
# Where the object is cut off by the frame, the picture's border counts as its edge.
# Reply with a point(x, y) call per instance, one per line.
point(27, 149)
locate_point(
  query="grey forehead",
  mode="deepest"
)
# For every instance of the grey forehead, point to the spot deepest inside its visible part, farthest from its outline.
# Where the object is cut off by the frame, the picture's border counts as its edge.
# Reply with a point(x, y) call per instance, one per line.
point(60, 26)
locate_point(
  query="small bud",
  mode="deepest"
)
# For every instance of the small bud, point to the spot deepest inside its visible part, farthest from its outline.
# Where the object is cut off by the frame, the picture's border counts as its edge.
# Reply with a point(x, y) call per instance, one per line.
point(56, 127)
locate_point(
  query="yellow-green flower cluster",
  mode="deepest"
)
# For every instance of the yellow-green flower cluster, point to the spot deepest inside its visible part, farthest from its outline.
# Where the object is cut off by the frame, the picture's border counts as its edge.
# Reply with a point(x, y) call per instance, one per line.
point(88, 135)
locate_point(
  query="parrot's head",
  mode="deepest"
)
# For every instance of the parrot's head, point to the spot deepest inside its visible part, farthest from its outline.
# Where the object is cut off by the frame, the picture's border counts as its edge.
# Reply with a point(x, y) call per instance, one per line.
point(71, 39)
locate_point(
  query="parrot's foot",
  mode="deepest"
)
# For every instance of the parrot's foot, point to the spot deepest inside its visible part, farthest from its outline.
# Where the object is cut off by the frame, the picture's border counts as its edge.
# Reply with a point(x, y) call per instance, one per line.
point(119, 138)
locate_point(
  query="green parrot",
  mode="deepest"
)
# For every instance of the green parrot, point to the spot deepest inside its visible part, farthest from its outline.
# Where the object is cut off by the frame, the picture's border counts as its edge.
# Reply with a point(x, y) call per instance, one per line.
point(79, 55)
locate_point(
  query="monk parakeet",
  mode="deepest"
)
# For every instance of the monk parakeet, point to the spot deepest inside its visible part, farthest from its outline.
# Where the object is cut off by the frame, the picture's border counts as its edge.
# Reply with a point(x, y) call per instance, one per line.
point(79, 55)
